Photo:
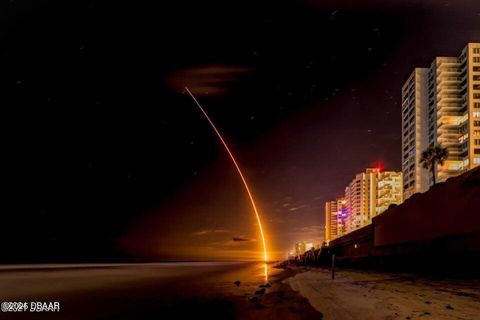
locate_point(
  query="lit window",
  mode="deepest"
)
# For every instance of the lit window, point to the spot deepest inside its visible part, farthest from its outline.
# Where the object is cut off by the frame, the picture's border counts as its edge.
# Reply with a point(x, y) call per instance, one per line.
point(476, 160)
point(463, 138)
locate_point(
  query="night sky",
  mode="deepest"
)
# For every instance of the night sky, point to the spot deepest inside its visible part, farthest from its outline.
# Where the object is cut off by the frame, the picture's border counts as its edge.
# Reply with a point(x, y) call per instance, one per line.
point(106, 158)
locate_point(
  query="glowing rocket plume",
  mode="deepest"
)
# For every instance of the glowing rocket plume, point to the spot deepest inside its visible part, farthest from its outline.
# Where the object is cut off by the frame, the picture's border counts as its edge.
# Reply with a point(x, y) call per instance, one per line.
point(257, 215)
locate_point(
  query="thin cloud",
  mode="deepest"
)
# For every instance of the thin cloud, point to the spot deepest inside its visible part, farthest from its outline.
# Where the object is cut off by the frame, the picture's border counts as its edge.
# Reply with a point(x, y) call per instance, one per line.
point(243, 239)
point(311, 229)
point(208, 80)
point(210, 231)
point(234, 242)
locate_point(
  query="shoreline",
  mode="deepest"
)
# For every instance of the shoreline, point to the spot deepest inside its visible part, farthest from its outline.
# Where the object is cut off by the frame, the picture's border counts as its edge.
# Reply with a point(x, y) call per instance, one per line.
point(279, 301)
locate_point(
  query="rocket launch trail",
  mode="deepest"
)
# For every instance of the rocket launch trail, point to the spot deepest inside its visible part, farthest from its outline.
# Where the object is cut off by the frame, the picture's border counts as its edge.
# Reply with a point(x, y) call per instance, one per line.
point(247, 189)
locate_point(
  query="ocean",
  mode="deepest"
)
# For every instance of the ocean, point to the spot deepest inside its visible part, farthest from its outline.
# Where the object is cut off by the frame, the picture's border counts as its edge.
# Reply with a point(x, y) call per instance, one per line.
point(132, 291)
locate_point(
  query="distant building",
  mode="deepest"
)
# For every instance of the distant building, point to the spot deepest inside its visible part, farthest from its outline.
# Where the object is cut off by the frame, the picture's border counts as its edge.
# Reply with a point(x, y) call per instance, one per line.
point(300, 248)
point(334, 222)
point(369, 194)
point(449, 97)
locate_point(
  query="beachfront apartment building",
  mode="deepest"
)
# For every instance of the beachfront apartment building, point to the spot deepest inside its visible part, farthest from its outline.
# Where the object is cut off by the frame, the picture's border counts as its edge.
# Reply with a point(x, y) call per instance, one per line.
point(360, 196)
point(445, 113)
point(369, 194)
point(334, 224)
point(452, 109)
point(414, 131)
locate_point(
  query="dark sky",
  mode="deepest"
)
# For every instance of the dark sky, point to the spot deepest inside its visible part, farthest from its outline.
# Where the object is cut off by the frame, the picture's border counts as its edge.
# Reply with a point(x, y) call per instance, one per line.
point(107, 158)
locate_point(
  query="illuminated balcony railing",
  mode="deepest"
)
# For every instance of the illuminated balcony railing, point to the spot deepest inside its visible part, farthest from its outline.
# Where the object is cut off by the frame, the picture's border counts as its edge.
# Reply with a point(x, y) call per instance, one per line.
point(453, 87)
point(448, 134)
point(448, 79)
point(444, 112)
point(448, 142)
point(447, 71)
point(448, 121)
point(448, 96)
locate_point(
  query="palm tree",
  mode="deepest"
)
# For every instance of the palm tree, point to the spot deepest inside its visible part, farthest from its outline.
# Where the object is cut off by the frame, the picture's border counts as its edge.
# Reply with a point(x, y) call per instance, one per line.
point(432, 156)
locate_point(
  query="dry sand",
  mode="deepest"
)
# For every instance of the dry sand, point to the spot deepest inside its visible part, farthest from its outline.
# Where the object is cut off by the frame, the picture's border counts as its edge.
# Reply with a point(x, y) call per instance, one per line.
point(368, 295)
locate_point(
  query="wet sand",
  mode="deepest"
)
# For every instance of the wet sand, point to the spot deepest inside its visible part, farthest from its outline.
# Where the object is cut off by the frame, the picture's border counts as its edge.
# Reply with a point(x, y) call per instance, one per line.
point(154, 291)
point(279, 302)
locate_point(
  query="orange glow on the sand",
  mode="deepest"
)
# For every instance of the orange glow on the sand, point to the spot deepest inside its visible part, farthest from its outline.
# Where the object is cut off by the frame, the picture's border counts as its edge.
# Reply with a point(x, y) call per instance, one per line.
point(266, 273)
point(257, 215)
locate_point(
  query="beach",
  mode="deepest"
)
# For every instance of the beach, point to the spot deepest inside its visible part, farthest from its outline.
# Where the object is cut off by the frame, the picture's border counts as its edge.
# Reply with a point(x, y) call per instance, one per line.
point(368, 295)
point(234, 290)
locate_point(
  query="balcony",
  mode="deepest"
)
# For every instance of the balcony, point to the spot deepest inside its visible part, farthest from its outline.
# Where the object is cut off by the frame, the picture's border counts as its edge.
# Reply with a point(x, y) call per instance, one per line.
point(448, 96)
point(448, 142)
point(441, 113)
point(448, 79)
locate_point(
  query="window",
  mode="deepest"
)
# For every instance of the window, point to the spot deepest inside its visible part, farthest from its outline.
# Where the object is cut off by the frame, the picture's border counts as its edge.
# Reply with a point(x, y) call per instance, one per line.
point(476, 160)
point(476, 114)
point(476, 59)
point(476, 50)
point(477, 142)
point(476, 151)
point(476, 123)
point(463, 138)
point(476, 105)
point(476, 133)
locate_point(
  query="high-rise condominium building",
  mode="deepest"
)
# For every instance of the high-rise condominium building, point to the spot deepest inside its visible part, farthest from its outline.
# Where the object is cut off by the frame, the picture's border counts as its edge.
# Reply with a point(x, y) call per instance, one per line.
point(414, 132)
point(334, 225)
point(360, 199)
point(369, 194)
point(453, 122)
